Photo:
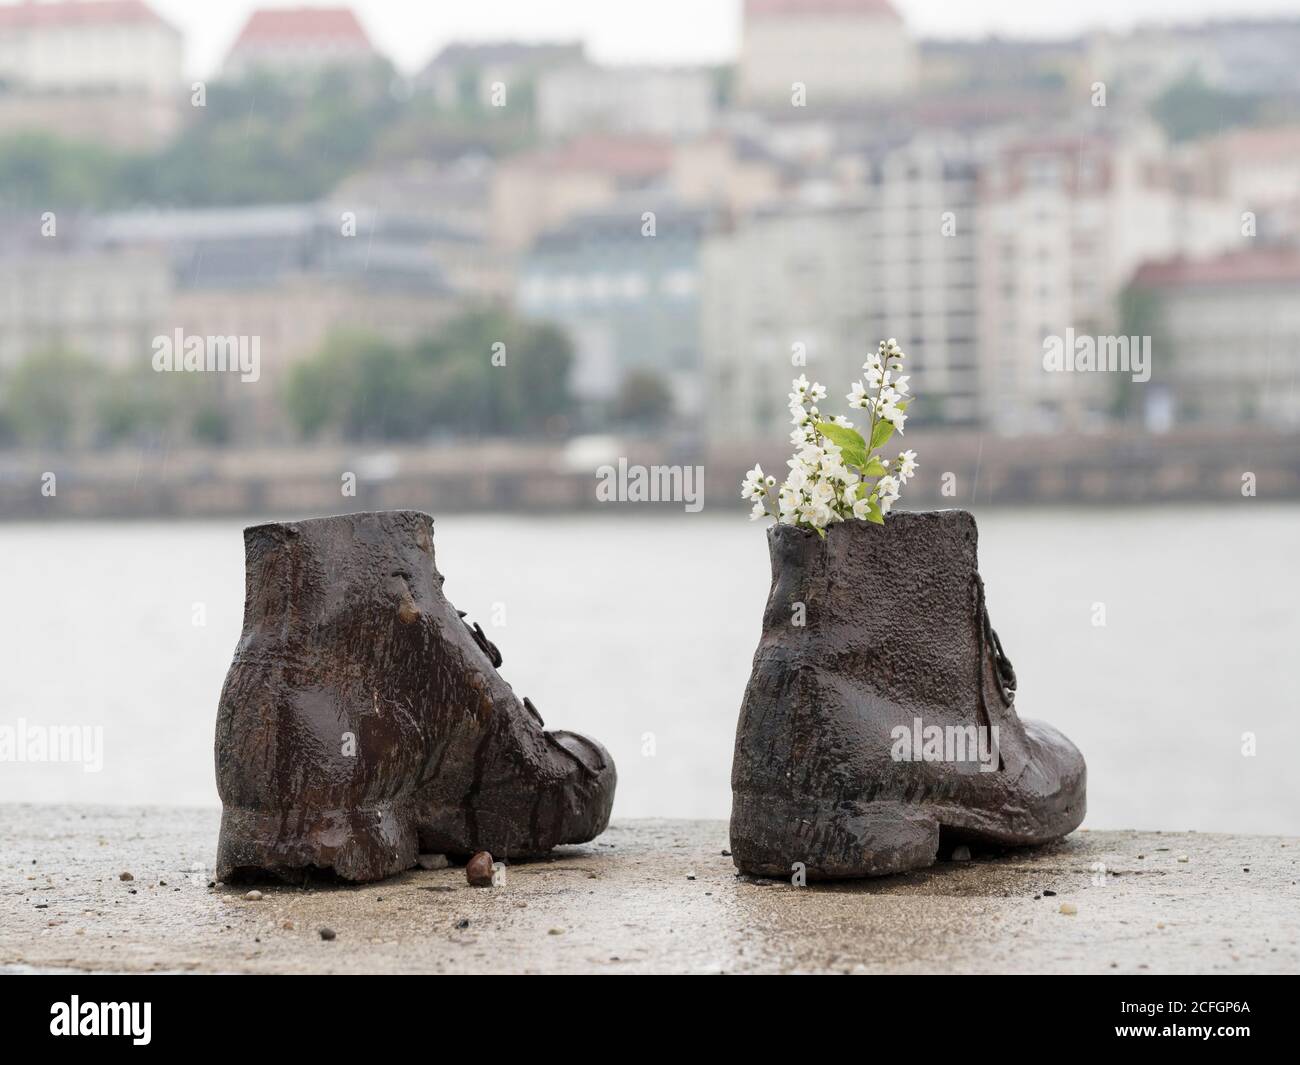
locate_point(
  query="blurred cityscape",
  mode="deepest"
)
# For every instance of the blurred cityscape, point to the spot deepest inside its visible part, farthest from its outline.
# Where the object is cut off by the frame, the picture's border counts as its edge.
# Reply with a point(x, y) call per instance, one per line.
point(472, 286)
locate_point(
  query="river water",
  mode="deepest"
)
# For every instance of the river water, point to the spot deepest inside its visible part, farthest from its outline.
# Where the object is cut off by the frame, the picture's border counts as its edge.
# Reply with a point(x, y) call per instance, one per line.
point(639, 628)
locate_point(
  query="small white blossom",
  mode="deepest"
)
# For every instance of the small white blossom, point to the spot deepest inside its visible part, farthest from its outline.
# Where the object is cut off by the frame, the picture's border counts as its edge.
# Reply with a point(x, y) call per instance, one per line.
point(906, 465)
point(886, 492)
point(821, 487)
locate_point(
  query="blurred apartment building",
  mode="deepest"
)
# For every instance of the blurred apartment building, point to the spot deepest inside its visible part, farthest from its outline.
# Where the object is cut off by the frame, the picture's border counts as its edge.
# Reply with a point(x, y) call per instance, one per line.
point(465, 74)
point(71, 294)
point(1235, 55)
point(539, 189)
point(783, 293)
point(627, 295)
point(812, 287)
point(922, 238)
point(1229, 329)
point(587, 98)
point(841, 51)
point(298, 43)
point(1258, 171)
point(98, 70)
point(962, 197)
point(611, 233)
point(289, 275)
point(1065, 220)
point(447, 203)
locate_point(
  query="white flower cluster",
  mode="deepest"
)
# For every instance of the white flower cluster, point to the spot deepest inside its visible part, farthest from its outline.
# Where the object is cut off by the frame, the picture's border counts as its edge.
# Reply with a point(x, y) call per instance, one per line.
point(835, 473)
point(881, 391)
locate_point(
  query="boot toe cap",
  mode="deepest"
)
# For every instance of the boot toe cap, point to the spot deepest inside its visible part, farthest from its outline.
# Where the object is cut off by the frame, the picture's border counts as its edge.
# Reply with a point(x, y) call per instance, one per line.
point(590, 789)
point(1063, 775)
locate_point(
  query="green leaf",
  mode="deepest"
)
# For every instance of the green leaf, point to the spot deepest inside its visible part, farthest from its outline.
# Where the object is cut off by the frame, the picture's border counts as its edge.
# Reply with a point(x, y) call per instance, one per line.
point(853, 448)
point(874, 468)
point(881, 434)
point(874, 514)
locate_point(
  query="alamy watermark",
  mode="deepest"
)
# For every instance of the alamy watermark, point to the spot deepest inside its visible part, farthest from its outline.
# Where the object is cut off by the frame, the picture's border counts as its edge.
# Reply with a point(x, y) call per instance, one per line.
point(75, 1017)
point(211, 354)
point(651, 484)
point(946, 743)
point(22, 742)
point(1102, 354)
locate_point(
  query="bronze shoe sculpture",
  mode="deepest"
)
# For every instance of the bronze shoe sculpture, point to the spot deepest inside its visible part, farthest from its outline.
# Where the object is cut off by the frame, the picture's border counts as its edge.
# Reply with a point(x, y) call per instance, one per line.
point(363, 722)
point(879, 711)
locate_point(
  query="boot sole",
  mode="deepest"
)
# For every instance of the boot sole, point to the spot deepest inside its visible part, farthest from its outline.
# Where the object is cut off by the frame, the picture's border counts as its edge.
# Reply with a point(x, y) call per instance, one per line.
point(772, 837)
point(295, 844)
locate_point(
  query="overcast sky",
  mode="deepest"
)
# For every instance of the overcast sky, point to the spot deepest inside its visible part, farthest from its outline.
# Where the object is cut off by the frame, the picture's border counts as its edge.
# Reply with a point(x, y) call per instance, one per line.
point(670, 31)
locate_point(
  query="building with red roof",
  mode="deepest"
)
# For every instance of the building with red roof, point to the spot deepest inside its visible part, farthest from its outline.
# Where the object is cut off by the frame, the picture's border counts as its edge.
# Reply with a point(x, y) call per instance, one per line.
point(1226, 334)
point(77, 45)
point(299, 40)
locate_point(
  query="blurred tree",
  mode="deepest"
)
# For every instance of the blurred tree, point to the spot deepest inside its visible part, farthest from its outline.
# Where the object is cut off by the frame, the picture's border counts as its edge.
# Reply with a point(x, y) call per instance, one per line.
point(361, 386)
point(132, 405)
point(48, 397)
point(496, 375)
point(1140, 315)
point(644, 399)
point(211, 425)
point(1191, 108)
point(38, 170)
point(485, 374)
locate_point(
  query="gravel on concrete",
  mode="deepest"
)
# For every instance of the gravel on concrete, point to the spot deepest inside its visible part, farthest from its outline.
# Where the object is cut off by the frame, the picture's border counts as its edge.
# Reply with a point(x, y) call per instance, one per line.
point(647, 896)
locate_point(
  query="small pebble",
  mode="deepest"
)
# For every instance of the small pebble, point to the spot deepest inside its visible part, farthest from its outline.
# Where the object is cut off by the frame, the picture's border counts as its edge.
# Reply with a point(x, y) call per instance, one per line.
point(690, 876)
point(253, 896)
point(556, 932)
point(1183, 858)
point(727, 854)
point(479, 870)
point(287, 925)
point(432, 861)
point(326, 932)
point(1069, 909)
point(961, 854)
point(125, 876)
point(1048, 894)
point(463, 923)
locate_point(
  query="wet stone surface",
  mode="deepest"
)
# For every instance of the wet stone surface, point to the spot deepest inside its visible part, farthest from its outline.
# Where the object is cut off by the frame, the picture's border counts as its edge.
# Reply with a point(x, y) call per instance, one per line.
point(1142, 901)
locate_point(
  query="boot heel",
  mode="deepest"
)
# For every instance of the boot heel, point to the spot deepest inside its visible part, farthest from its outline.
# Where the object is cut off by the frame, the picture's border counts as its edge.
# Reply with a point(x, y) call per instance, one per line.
point(362, 844)
point(849, 839)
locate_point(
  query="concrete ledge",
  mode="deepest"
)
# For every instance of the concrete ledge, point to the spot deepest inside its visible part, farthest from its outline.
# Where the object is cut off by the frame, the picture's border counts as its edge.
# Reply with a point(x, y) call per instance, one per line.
point(648, 896)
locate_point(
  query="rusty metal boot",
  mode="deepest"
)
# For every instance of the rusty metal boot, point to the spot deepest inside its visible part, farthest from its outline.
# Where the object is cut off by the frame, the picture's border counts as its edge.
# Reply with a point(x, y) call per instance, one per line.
point(886, 717)
point(363, 721)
